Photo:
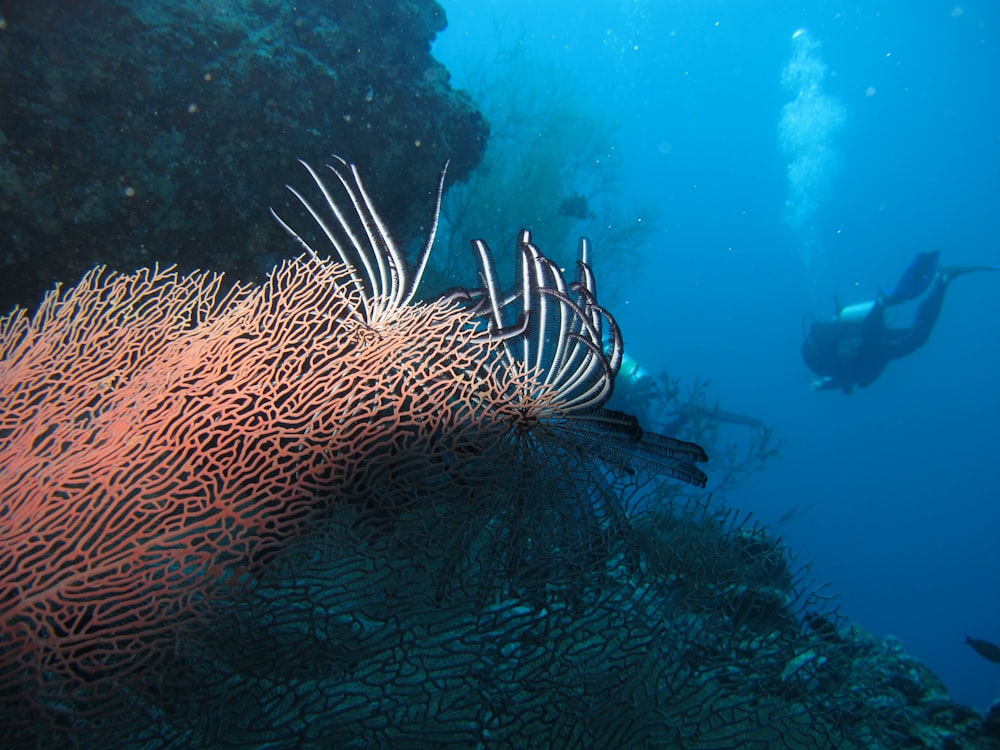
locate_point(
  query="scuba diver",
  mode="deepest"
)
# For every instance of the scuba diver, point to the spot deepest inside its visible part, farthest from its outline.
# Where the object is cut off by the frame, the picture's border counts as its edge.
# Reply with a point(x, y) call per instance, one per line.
point(856, 346)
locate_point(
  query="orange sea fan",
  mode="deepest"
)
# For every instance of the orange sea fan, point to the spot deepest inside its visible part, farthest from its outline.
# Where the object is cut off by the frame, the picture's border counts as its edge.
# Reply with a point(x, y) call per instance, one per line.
point(161, 441)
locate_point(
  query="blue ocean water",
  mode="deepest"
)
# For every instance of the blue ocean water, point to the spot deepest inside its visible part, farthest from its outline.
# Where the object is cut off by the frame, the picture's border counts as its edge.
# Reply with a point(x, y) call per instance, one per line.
point(790, 153)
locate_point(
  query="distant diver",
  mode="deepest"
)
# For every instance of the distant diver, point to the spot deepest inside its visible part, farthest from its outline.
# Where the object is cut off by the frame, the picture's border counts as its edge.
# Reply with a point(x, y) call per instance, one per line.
point(856, 346)
point(985, 649)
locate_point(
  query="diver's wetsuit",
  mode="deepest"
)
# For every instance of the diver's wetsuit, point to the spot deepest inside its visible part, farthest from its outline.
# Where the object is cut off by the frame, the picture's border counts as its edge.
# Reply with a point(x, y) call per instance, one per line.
point(847, 352)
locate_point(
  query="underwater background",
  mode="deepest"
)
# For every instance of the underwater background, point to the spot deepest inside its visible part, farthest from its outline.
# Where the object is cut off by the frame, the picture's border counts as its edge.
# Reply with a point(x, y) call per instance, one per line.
point(776, 172)
point(741, 168)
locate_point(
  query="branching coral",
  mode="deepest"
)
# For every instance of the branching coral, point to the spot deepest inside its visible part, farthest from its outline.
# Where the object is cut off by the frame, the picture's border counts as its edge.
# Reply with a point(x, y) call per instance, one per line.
point(150, 463)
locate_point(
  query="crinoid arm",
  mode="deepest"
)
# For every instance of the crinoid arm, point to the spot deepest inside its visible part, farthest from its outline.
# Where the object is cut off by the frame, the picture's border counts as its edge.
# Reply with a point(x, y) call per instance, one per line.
point(363, 242)
point(553, 328)
point(558, 331)
point(617, 438)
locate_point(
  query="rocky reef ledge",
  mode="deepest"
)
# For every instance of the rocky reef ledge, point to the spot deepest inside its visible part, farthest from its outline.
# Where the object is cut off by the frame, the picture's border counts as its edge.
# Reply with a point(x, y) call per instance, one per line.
point(142, 131)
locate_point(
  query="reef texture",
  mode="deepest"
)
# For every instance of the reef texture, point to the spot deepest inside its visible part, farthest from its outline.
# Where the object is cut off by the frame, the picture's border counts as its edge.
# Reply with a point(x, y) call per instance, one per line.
point(315, 514)
point(682, 629)
point(134, 131)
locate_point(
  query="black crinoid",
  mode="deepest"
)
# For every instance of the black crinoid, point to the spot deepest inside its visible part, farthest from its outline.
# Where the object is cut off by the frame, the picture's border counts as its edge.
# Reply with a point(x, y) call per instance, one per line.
point(575, 469)
point(571, 347)
point(541, 479)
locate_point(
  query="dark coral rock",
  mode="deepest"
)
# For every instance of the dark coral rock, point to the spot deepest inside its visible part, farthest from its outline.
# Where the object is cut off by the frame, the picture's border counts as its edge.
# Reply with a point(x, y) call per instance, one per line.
point(991, 725)
point(135, 131)
point(342, 645)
